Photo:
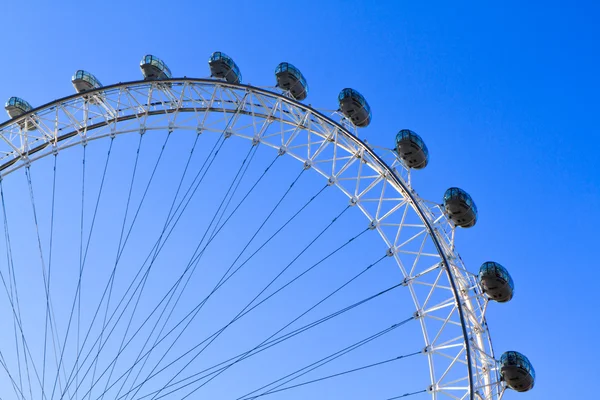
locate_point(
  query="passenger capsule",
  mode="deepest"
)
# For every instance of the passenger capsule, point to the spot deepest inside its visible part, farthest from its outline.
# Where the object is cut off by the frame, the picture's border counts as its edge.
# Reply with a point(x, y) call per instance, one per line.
point(84, 81)
point(154, 68)
point(354, 106)
point(517, 371)
point(222, 66)
point(291, 79)
point(411, 149)
point(460, 207)
point(15, 107)
point(496, 282)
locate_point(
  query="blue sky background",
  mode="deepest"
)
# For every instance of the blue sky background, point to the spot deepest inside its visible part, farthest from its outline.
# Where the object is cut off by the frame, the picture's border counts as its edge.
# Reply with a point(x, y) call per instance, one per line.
point(504, 95)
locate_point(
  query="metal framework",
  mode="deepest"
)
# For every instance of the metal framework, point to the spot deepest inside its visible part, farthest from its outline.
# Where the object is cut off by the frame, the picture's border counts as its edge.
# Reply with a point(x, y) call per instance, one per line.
point(448, 301)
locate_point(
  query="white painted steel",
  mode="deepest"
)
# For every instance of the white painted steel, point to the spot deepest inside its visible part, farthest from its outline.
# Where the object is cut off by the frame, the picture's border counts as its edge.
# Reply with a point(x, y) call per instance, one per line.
point(446, 296)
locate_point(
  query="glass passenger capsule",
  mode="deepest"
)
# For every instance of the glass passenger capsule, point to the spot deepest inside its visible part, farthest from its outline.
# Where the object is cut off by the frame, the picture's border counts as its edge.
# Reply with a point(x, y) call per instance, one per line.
point(291, 79)
point(154, 68)
point(496, 282)
point(412, 149)
point(222, 66)
point(354, 106)
point(15, 107)
point(83, 81)
point(516, 370)
point(460, 207)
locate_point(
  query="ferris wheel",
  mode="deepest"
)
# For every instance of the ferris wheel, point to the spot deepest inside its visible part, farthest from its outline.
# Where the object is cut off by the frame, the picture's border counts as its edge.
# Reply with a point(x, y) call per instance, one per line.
point(152, 253)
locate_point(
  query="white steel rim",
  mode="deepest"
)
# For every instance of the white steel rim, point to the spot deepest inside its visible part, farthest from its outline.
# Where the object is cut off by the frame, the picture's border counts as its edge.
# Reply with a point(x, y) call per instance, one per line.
point(463, 367)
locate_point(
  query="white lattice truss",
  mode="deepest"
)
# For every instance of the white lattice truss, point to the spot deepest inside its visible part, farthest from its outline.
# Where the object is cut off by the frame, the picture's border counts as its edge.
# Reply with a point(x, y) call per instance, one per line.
point(449, 304)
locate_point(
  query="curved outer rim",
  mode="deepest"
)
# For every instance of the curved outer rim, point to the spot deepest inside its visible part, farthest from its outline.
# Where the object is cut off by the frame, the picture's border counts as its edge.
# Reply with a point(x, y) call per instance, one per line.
point(417, 204)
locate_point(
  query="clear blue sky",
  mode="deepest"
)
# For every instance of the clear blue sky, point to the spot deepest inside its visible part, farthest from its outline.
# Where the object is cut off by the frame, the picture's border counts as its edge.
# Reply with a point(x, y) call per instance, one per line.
point(505, 96)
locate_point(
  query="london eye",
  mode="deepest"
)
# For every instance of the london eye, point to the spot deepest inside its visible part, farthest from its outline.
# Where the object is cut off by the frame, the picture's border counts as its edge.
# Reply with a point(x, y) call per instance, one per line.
point(203, 238)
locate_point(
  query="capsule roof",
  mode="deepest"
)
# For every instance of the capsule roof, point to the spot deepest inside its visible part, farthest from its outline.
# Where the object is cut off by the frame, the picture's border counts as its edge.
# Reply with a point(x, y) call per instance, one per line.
point(460, 207)
point(408, 134)
point(458, 193)
point(19, 103)
point(85, 76)
point(348, 92)
point(491, 267)
point(222, 57)
point(349, 100)
point(287, 67)
point(413, 159)
point(158, 63)
point(496, 282)
point(515, 359)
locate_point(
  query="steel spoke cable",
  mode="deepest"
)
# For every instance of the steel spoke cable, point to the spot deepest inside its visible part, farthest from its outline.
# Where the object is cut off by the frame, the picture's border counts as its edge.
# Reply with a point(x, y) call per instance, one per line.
point(221, 205)
point(14, 384)
point(108, 287)
point(120, 248)
point(225, 276)
point(159, 158)
point(181, 180)
point(77, 296)
point(189, 198)
point(42, 264)
point(48, 316)
point(12, 297)
point(245, 310)
point(252, 153)
point(110, 279)
point(389, 360)
point(157, 244)
point(94, 220)
point(249, 353)
point(165, 296)
point(78, 291)
point(195, 310)
point(407, 395)
point(13, 294)
point(280, 339)
point(172, 292)
point(319, 363)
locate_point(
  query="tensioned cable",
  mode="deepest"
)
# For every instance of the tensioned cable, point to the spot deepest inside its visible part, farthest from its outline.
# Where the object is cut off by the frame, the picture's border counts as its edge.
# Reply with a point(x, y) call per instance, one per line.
point(277, 340)
point(225, 197)
point(42, 263)
point(76, 365)
point(319, 363)
point(183, 175)
point(270, 342)
point(218, 143)
point(195, 310)
point(12, 278)
point(389, 360)
point(108, 287)
point(78, 292)
point(224, 278)
point(158, 305)
point(93, 223)
point(308, 310)
point(159, 158)
point(102, 298)
point(231, 119)
point(144, 281)
point(246, 309)
point(48, 318)
point(16, 317)
point(243, 170)
point(407, 394)
point(77, 296)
